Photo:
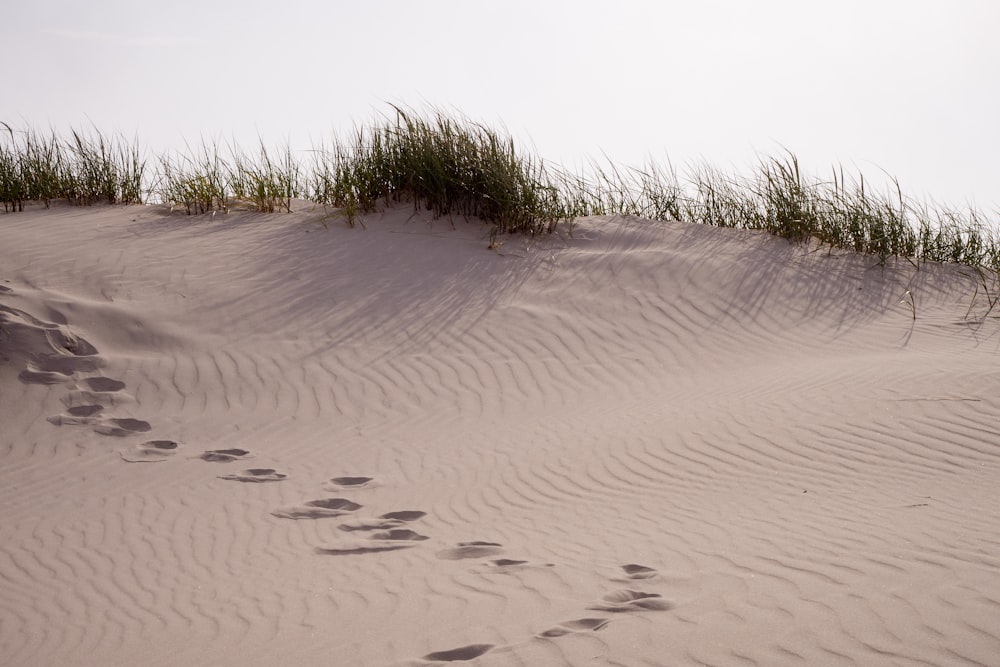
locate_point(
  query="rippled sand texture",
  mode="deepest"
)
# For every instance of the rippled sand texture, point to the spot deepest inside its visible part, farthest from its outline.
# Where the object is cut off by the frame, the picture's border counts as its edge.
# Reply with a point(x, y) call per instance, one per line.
point(251, 440)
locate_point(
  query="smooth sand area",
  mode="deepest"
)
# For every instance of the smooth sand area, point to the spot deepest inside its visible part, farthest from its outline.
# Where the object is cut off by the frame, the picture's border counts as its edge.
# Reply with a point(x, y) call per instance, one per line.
point(251, 440)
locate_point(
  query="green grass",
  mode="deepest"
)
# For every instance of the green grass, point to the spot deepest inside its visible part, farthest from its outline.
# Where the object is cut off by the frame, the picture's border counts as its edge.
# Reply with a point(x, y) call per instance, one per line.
point(85, 169)
point(198, 180)
point(448, 165)
point(453, 166)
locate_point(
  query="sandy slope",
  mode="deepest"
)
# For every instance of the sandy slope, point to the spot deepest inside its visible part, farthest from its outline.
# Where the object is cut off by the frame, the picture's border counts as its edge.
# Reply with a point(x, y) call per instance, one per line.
point(641, 444)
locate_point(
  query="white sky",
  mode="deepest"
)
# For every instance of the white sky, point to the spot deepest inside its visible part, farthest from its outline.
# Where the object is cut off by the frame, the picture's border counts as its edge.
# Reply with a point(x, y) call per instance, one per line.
point(908, 86)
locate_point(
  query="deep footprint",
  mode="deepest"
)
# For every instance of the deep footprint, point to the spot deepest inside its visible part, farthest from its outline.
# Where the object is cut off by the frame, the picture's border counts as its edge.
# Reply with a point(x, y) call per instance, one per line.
point(224, 455)
point(102, 384)
point(318, 509)
point(151, 451)
point(51, 352)
point(629, 600)
point(84, 410)
point(123, 427)
point(477, 549)
point(579, 625)
point(256, 475)
point(461, 653)
point(404, 515)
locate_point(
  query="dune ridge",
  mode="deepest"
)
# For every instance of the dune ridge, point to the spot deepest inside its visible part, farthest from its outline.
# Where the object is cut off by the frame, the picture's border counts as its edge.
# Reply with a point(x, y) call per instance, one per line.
point(639, 443)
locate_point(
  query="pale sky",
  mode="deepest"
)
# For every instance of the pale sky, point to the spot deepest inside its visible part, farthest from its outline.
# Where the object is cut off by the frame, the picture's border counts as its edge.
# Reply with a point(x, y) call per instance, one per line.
point(911, 87)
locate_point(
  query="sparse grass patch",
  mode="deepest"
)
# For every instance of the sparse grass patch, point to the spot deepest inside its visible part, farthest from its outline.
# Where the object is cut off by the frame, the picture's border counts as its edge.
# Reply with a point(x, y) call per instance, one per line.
point(198, 181)
point(268, 183)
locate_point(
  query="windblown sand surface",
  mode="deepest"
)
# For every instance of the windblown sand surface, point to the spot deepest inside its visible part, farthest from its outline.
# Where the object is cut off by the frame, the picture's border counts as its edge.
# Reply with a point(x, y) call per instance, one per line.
point(250, 440)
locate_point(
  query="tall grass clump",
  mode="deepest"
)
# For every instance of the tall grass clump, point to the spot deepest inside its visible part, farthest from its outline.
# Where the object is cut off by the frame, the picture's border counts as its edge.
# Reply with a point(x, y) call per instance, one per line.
point(87, 168)
point(267, 181)
point(779, 198)
point(450, 166)
point(842, 213)
point(99, 169)
point(197, 180)
point(29, 169)
point(651, 192)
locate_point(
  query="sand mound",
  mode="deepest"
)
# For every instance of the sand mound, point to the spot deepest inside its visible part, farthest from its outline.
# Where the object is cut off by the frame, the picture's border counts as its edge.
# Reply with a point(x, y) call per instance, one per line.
point(641, 443)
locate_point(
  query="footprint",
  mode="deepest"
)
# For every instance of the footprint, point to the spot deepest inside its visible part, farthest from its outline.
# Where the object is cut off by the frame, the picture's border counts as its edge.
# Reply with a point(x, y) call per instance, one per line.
point(225, 455)
point(77, 346)
point(101, 384)
point(51, 352)
point(256, 475)
point(369, 524)
point(67, 364)
point(400, 535)
point(387, 520)
point(353, 548)
point(151, 451)
point(121, 427)
point(80, 397)
point(353, 482)
point(633, 571)
point(69, 420)
point(75, 416)
point(386, 540)
point(84, 410)
point(629, 600)
point(32, 376)
point(510, 565)
point(404, 515)
point(579, 625)
point(318, 509)
point(461, 653)
point(475, 549)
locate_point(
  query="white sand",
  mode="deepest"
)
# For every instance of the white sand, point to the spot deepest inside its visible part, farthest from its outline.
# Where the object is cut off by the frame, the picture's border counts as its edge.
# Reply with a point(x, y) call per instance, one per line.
point(642, 444)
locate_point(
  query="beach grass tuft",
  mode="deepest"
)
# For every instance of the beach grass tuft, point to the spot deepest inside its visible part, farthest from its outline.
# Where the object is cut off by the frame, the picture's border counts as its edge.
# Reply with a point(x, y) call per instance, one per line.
point(85, 169)
point(197, 180)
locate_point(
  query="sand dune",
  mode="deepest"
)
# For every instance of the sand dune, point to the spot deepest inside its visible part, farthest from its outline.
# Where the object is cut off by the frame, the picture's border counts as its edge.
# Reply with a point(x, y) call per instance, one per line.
point(249, 439)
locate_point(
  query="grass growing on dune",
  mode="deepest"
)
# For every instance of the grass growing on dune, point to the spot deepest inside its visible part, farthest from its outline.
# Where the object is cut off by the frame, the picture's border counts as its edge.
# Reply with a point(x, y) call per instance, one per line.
point(208, 179)
point(198, 181)
point(268, 182)
point(87, 168)
point(453, 166)
point(778, 198)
